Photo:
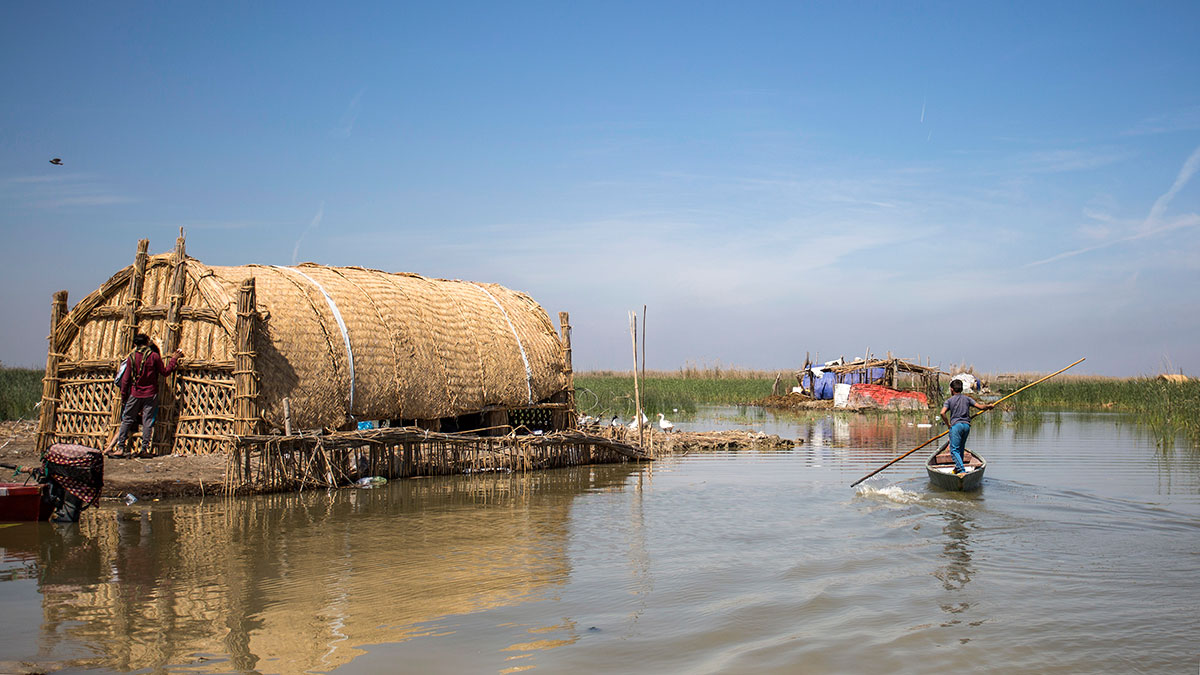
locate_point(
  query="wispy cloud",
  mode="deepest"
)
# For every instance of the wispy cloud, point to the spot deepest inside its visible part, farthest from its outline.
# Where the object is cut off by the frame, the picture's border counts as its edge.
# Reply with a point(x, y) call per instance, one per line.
point(312, 225)
point(1059, 161)
point(55, 177)
point(224, 225)
point(93, 198)
point(61, 190)
point(345, 125)
point(1180, 120)
point(1185, 221)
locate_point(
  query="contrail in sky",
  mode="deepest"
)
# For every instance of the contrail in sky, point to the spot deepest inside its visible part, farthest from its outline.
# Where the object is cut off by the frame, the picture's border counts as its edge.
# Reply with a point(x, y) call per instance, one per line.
point(923, 111)
point(346, 125)
point(1150, 225)
point(311, 226)
point(1185, 175)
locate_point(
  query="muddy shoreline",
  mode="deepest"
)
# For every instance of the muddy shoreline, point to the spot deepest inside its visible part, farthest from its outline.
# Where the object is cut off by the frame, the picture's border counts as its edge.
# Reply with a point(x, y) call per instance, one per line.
point(179, 476)
point(166, 477)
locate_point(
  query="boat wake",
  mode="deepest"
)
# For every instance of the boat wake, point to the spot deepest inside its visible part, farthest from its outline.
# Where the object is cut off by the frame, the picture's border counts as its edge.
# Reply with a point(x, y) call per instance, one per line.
point(892, 493)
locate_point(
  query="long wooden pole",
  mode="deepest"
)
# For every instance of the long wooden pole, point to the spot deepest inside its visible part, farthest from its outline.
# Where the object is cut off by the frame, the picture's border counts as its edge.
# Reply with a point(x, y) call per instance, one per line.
point(644, 377)
point(972, 417)
point(637, 396)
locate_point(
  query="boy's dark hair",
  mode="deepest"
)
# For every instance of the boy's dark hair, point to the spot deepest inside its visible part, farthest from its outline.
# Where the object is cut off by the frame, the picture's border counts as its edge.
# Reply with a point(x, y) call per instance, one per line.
point(141, 340)
point(956, 386)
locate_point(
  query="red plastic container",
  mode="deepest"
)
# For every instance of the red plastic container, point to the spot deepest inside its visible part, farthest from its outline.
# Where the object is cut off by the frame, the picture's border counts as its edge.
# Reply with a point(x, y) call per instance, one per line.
point(20, 502)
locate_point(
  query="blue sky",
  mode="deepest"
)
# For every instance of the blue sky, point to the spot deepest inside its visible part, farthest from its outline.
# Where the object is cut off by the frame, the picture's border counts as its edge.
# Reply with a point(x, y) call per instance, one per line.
point(1009, 185)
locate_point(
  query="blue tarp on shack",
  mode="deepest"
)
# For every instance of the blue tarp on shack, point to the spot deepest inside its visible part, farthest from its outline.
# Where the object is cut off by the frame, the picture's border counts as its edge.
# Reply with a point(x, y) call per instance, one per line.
point(823, 388)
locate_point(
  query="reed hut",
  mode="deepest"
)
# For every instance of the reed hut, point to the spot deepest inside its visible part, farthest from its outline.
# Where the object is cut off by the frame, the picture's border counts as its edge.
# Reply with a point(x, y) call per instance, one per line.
point(817, 380)
point(272, 349)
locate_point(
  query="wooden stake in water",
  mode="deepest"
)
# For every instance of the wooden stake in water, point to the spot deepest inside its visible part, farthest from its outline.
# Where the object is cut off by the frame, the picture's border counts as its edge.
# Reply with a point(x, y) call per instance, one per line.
point(637, 396)
point(644, 377)
point(972, 417)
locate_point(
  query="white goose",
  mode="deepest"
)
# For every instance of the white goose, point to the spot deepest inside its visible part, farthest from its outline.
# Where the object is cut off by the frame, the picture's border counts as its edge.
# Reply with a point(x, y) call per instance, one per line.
point(664, 423)
point(633, 426)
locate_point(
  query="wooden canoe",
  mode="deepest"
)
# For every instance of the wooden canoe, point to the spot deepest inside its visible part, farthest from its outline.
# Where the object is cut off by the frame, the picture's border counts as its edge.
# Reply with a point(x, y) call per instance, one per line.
point(940, 467)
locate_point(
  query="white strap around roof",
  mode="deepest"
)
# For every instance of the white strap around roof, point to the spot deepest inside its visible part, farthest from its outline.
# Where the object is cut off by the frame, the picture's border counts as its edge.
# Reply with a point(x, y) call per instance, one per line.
point(341, 324)
point(528, 370)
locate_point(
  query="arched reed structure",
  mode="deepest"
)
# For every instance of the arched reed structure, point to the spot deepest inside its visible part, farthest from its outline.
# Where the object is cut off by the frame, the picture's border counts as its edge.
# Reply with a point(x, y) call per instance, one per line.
point(308, 348)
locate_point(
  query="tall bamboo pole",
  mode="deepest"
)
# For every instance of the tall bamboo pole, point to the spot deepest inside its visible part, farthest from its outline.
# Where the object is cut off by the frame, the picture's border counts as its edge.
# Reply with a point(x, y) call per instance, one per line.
point(50, 382)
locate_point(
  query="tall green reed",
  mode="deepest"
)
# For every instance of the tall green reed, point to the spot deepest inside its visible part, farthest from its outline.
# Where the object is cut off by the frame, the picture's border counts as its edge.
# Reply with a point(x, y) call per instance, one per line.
point(20, 390)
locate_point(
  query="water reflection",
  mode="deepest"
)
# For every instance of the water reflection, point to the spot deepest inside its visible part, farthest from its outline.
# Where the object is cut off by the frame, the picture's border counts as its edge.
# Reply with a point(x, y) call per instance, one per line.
point(956, 573)
point(294, 583)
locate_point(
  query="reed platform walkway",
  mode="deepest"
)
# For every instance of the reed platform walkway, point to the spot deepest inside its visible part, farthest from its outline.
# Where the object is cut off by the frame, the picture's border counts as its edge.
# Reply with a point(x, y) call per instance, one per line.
point(279, 463)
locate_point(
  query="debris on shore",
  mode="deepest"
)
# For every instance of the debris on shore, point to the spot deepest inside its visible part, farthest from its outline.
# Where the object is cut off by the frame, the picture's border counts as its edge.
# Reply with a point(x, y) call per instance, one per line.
point(699, 441)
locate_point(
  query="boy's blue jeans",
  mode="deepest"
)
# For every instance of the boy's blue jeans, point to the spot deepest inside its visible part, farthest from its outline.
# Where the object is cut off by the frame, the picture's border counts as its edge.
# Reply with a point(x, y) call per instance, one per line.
point(958, 442)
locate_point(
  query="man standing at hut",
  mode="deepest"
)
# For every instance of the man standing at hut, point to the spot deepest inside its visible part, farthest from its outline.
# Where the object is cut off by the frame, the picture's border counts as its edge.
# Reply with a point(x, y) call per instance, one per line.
point(139, 384)
point(959, 407)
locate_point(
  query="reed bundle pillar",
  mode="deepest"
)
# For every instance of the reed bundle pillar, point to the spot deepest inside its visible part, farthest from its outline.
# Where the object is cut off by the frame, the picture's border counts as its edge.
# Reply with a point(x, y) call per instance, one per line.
point(564, 322)
point(130, 327)
point(50, 382)
point(245, 380)
point(174, 328)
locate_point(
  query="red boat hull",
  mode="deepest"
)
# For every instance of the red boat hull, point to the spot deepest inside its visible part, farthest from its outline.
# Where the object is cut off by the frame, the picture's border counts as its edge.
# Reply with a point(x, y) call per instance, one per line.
point(20, 503)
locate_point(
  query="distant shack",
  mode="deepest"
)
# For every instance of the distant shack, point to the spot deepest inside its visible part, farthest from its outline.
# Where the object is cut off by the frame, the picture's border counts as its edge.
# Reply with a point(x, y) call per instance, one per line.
point(818, 380)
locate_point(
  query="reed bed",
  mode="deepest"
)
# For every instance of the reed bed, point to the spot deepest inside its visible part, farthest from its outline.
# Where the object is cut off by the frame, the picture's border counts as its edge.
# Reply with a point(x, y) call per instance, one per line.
point(607, 393)
point(1165, 407)
point(20, 390)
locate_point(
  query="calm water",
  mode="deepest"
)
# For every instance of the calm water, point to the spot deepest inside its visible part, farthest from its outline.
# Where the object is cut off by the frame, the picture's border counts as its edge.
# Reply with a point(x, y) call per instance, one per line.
point(1080, 554)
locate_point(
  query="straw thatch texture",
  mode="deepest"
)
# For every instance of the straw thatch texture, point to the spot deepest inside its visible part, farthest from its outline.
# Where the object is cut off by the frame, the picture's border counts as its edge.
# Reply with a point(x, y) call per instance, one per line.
point(418, 348)
point(421, 348)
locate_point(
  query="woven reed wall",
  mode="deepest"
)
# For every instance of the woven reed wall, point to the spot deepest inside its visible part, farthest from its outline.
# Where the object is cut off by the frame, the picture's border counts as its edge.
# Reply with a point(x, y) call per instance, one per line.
point(422, 349)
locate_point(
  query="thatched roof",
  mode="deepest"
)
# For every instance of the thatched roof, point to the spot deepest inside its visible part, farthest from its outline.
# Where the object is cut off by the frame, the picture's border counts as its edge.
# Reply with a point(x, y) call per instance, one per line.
point(347, 341)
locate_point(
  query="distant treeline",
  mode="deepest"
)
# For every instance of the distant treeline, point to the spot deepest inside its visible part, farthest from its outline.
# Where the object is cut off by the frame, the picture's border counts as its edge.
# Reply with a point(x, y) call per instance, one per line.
point(20, 390)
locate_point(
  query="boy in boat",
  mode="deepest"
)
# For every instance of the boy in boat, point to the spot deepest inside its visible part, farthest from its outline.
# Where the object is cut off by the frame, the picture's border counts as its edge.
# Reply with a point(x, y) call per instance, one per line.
point(140, 385)
point(959, 408)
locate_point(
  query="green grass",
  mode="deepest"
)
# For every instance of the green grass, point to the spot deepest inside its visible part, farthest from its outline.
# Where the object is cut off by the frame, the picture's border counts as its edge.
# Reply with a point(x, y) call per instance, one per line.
point(20, 390)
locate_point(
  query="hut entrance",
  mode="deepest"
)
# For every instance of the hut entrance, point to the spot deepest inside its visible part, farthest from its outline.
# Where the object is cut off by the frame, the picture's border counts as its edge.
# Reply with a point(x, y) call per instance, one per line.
point(80, 403)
